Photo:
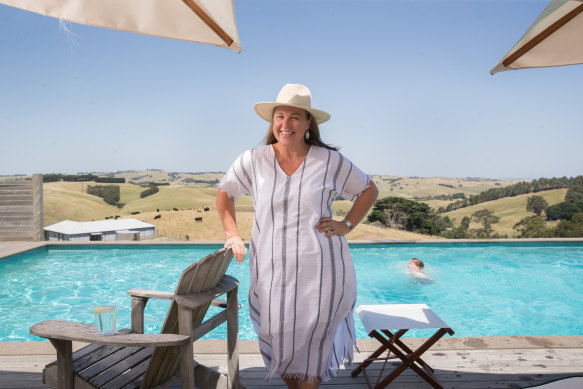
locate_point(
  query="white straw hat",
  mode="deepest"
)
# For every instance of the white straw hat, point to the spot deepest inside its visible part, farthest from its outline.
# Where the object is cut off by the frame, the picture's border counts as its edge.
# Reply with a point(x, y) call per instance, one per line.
point(291, 95)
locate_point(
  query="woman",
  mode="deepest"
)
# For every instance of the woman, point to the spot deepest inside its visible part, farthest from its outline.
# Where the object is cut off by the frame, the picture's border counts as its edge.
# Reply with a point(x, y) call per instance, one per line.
point(303, 284)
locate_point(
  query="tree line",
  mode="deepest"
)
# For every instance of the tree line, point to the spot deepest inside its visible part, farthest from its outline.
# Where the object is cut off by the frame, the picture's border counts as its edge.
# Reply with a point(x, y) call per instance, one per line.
point(410, 215)
point(522, 187)
point(109, 193)
point(54, 177)
point(569, 212)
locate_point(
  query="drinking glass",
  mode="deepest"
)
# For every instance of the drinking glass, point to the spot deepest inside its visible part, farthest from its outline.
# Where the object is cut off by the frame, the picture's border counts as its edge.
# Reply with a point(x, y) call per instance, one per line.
point(105, 319)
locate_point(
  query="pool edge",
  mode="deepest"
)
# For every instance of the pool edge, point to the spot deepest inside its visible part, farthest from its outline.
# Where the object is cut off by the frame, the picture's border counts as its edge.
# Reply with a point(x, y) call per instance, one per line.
point(13, 248)
point(364, 345)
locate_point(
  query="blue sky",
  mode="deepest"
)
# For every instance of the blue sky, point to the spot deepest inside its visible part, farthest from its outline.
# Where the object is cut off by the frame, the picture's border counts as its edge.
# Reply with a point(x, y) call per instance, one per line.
point(407, 84)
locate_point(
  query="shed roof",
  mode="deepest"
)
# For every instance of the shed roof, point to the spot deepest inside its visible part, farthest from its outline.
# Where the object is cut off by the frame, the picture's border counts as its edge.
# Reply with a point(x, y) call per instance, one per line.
point(75, 228)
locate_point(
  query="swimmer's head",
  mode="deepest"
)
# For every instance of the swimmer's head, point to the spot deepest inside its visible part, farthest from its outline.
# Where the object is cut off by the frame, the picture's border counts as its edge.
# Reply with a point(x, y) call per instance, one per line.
point(415, 264)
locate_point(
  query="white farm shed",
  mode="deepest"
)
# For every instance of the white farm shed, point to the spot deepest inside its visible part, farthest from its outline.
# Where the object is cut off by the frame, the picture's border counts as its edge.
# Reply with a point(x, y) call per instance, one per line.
point(121, 229)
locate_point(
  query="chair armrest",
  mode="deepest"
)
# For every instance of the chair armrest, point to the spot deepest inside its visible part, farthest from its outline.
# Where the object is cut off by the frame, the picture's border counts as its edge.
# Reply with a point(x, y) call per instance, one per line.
point(219, 303)
point(193, 301)
point(87, 333)
point(222, 303)
point(150, 294)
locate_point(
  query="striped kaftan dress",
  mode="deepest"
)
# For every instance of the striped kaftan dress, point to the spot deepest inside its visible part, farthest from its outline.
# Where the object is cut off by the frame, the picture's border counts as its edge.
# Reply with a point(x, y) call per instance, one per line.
point(303, 284)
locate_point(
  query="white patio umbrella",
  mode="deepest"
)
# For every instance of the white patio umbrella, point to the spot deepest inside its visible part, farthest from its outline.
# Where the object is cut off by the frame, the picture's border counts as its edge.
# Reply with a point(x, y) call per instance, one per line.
point(203, 21)
point(554, 39)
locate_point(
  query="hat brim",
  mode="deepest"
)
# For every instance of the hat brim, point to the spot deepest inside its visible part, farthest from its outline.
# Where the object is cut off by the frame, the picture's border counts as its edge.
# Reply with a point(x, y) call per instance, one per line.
point(265, 111)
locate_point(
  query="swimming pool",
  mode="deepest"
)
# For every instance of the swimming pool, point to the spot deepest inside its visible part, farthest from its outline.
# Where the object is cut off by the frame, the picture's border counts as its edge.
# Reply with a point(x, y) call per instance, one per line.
point(479, 289)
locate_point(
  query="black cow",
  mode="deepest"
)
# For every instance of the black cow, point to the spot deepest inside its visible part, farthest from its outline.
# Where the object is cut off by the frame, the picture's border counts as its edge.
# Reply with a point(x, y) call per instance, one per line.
point(198, 219)
point(157, 217)
point(206, 209)
point(176, 209)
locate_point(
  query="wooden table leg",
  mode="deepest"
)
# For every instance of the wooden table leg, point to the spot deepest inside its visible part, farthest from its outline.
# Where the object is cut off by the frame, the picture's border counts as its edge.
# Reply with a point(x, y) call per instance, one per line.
point(414, 361)
point(64, 363)
point(368, 360)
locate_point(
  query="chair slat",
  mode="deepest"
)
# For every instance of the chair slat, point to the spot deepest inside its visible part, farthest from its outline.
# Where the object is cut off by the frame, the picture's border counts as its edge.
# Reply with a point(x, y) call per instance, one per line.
point(90, 359)
point(197, 278)
point(127, 371)
point(107, 362)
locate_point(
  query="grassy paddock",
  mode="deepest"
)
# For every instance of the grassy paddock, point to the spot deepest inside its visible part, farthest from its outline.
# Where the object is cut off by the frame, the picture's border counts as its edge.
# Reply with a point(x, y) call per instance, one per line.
point(510, 210)
point(68, 201)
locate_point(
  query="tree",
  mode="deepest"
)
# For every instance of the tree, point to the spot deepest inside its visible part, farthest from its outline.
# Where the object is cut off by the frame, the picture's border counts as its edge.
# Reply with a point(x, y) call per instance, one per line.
point(465, 223)
point(532, 227)
point(109, 193)
point(536, 204)
point(486, 218)
point(573, 204)
point(570, 229)
point(404, 214)
point(153, 189)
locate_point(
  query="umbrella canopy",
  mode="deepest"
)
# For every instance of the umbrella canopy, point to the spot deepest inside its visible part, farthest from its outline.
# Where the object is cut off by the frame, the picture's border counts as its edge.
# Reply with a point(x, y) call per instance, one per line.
point(203, 21)
point(554, 39)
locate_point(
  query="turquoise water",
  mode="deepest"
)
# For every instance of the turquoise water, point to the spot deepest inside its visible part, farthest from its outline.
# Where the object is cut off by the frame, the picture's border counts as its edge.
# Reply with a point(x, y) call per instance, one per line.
point(499, 289)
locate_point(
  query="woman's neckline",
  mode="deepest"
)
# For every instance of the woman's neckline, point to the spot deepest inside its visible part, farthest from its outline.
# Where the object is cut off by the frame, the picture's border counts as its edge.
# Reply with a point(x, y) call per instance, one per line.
point(299, 166)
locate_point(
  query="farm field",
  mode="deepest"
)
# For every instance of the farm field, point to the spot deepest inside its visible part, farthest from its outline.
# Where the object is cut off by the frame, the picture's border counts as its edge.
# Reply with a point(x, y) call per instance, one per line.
point(191, 193)
point(510, 210)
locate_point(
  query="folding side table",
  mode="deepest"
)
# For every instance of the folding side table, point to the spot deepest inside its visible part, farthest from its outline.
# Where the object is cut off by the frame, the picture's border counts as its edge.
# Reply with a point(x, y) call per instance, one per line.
point(380, 320)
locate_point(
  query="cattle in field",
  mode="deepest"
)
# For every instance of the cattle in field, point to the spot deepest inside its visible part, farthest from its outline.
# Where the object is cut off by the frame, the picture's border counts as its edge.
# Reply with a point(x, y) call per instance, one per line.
point(117, 217)
point(135, 213)
point(206, 209)
point(175, 209)
point(198, 219)
point(157, 209)
point(157, 217)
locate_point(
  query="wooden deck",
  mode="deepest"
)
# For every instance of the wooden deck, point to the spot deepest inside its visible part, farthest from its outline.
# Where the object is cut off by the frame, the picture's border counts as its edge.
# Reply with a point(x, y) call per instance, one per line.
point(460, 363)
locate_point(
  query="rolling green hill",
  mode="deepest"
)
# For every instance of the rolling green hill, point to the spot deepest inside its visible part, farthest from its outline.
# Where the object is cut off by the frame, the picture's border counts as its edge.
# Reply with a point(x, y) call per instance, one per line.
point(190, 193)
point(67, 201)
point(510, 210)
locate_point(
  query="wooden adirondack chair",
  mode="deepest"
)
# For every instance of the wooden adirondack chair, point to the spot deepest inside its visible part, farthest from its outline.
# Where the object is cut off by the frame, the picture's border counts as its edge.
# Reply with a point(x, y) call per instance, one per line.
point(131, 359)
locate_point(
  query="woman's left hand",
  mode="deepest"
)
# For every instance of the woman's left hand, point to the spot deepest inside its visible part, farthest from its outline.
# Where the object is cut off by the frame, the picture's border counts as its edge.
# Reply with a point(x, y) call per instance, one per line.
point(332, 227)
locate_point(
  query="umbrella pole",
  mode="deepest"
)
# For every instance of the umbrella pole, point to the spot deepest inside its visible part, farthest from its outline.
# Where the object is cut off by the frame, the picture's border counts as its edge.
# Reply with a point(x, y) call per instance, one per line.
point(203, 14)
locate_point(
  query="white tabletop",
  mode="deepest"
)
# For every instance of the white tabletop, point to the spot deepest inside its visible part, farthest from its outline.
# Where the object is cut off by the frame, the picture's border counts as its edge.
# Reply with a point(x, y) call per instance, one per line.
point(398, 317)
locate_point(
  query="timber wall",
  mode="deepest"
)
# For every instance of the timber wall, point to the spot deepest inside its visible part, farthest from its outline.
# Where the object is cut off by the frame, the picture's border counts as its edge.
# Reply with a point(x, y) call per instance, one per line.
point(21, 209)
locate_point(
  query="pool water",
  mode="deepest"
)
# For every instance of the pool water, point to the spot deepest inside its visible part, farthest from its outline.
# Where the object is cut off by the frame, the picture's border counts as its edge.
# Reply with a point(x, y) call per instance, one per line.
point(481, 289)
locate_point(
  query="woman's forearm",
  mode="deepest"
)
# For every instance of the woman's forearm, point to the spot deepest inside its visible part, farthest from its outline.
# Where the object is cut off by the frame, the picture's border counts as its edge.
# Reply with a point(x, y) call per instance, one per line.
point(360, 207)
point(226, 209)
point(362, 204)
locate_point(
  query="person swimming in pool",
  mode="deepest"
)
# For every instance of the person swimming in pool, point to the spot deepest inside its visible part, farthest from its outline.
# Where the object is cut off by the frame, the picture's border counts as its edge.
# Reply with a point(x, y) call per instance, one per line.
point(415, 267)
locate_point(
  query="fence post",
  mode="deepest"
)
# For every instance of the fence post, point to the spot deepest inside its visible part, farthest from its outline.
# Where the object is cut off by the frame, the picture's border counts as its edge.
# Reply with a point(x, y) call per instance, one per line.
point(37, 206)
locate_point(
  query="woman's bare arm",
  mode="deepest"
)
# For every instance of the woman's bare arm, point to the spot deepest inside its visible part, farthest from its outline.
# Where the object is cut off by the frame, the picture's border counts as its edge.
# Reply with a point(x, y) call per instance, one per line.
point(226, 208)
point(358, 211)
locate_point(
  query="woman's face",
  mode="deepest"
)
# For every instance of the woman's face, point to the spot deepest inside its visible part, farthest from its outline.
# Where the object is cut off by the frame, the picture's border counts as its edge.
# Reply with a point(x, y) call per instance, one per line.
point(290, 125)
